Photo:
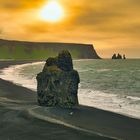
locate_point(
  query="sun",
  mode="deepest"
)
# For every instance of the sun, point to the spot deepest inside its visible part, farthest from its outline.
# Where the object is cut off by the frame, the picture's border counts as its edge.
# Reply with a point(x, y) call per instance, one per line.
point(52, 12)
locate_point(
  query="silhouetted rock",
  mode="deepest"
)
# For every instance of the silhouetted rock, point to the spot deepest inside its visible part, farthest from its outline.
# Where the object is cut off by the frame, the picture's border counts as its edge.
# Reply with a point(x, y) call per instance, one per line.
point(57, 84)
point(119, 56)
point(124, 57)
point(114, 56)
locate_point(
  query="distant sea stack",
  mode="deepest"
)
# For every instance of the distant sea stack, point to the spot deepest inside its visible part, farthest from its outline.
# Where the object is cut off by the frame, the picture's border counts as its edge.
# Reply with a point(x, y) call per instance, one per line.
point(118, 56)
point(42, 50)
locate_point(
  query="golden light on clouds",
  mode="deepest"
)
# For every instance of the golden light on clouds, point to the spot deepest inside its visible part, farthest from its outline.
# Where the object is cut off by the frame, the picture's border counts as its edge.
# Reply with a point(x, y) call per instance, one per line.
point(112, 26)
point(52, 11)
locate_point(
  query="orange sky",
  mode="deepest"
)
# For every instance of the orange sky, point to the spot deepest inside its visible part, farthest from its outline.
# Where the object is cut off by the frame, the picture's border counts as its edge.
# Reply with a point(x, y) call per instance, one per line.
point(112, 26)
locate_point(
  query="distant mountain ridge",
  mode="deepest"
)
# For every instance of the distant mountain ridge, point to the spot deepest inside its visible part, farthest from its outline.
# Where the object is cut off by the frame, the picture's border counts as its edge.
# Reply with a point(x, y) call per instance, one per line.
point(11, 49)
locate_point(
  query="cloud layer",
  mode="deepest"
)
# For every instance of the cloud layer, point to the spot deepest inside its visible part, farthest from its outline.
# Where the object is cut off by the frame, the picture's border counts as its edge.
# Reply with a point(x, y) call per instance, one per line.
point(112, 26)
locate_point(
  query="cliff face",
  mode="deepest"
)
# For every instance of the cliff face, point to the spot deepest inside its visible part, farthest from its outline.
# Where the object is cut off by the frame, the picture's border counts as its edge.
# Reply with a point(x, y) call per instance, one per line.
point(41, 50)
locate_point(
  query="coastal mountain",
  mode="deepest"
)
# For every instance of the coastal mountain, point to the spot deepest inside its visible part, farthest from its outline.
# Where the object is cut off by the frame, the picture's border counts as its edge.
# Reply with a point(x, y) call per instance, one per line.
point(10, 49)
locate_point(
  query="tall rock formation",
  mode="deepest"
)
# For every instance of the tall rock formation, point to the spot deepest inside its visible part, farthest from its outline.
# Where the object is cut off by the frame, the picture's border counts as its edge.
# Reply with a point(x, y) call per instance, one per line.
point(114, 56)
point(57, 84)
point(119, 56)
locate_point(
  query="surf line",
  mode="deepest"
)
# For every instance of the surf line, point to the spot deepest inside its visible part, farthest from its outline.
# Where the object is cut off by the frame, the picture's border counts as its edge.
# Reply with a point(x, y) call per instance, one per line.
point(55, 121)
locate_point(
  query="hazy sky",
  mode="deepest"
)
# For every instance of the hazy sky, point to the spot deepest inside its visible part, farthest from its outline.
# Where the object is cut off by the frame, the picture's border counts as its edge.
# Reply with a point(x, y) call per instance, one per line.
point(111, 25)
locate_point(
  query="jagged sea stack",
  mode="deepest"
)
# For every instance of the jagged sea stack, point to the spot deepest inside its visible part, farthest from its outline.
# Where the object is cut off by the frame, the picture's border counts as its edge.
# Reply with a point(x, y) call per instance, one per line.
point(57, 84)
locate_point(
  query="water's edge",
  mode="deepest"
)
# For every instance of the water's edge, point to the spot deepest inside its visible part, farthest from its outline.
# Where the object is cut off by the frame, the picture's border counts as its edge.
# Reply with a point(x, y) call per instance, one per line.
point(9, 74)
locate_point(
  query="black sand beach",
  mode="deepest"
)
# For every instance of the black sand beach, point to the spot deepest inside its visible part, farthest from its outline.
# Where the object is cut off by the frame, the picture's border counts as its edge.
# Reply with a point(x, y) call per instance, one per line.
point(17, 123)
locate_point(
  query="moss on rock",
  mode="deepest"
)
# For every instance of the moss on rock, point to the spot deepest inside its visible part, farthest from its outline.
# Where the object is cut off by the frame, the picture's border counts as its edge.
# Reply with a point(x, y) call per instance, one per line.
point(58, 82)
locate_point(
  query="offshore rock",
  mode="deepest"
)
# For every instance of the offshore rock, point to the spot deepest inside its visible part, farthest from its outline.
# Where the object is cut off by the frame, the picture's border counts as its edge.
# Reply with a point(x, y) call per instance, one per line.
point(57, 84)
point(118, 56)
point(114, 56)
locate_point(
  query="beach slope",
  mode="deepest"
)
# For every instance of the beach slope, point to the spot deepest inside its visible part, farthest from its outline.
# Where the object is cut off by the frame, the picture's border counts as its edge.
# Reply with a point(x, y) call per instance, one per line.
point(21, 118)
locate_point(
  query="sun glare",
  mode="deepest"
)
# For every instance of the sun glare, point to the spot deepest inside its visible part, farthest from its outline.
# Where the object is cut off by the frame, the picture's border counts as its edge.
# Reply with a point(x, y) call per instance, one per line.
point(52, 12)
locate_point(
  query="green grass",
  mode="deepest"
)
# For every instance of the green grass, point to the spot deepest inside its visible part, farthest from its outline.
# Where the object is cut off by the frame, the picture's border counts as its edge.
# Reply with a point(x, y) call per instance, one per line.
point(20, 53)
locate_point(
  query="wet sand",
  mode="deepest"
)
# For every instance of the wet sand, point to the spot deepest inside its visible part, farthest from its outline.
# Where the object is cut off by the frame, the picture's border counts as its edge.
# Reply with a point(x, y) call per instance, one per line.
point(16, 122)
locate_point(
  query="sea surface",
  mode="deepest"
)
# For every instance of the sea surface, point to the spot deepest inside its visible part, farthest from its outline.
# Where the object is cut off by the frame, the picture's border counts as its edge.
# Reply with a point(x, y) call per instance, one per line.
point(112, 85)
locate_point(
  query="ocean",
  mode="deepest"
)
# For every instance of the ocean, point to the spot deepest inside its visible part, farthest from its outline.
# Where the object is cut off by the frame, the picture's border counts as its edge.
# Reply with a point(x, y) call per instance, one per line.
point(112, 85)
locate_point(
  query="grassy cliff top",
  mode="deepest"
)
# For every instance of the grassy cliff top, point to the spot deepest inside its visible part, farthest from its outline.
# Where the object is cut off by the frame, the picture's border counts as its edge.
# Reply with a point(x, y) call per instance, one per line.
point(11, 49)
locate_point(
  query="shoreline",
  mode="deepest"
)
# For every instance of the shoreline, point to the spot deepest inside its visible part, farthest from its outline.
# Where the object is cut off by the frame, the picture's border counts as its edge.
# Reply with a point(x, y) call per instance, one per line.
point(104, 122)
point(23, 83)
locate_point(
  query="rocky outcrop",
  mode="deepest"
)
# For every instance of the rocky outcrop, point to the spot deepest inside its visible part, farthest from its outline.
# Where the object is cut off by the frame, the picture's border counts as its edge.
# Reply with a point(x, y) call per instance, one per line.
point(114, 56)
point(57, 84)
point(124, 57)
point(119, 56)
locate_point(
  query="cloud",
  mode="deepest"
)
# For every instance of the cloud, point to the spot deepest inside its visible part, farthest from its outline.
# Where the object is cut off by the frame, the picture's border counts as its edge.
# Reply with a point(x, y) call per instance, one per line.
point(107, 23)
point(19, 4)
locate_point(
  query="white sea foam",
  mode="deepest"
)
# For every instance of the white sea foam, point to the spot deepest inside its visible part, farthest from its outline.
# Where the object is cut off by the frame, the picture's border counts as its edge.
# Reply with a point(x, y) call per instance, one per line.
point(103, 70)
point(123, 104)
point(12, 74)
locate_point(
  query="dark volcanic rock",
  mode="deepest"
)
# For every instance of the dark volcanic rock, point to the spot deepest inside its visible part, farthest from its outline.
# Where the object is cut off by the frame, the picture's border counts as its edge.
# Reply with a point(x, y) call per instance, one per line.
point(58, 82)
point(65, 61)
point(118, 56)
point(124, 57)
point(114, 56)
